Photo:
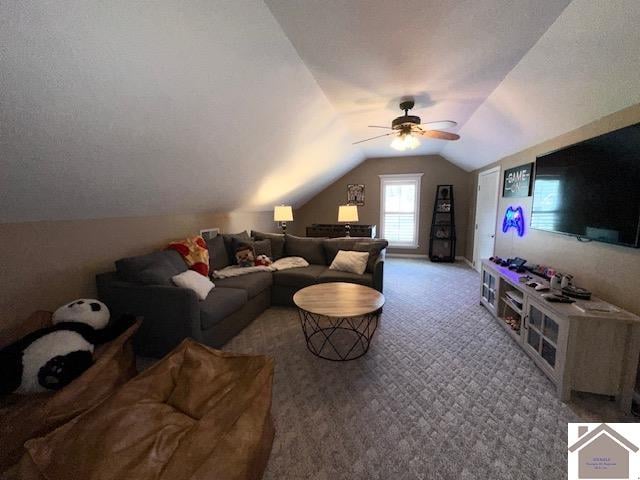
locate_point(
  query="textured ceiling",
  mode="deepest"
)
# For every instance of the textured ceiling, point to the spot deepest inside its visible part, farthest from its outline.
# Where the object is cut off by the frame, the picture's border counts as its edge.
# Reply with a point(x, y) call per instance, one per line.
point(135, 108)
point(586, 66)
point(448, 54)
point(127, 108)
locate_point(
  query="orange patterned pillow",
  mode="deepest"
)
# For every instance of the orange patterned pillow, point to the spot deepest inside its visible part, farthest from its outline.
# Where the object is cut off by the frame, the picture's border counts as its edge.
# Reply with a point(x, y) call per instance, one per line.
point(195, 253)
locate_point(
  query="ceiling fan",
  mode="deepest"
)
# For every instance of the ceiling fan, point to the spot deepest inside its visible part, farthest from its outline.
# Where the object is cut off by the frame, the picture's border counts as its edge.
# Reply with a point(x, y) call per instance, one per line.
point(407, 128)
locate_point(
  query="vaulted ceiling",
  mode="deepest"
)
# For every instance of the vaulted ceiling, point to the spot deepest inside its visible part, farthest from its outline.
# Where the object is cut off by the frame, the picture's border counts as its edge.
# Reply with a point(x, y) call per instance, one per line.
point(449, 55)
point(133, 108)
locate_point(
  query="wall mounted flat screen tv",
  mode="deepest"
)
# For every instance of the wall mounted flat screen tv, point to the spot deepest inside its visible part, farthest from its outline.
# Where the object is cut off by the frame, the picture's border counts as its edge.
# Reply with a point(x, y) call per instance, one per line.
point(591, 189)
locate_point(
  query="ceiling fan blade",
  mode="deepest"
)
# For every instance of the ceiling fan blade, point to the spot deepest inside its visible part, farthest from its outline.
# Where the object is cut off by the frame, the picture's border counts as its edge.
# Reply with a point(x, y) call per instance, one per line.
point(378, 126)
point(373, 138)
point(439, 124)
point(441, 135)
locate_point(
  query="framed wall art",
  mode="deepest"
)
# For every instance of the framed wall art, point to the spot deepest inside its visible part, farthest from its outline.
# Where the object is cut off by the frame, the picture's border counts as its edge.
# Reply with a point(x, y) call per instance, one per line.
point(517, 181)
point(355, 194)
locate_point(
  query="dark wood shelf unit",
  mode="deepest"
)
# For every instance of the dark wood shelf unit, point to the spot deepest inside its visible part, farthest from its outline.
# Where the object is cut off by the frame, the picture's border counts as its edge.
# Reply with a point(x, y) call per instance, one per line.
point(442, 240)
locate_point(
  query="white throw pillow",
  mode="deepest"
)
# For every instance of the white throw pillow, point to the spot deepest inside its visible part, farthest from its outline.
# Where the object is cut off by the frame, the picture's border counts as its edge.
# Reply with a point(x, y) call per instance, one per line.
point(195, 281)
point(350, 261)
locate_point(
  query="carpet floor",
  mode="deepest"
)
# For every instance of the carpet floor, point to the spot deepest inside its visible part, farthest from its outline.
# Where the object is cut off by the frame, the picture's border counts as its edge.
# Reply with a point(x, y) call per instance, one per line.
point(443, 393)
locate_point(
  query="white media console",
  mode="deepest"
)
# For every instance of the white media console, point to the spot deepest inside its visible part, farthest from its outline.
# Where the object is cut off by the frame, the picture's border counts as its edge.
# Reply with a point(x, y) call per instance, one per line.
point(590, 351)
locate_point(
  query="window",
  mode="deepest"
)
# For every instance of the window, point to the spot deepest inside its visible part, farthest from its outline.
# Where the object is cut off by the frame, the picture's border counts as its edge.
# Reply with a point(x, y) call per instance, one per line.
point(546, 204)
point(400, 209)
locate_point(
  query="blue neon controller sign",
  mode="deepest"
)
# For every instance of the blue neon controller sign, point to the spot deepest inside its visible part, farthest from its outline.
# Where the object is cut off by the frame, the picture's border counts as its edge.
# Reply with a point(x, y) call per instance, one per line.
point(513, 218)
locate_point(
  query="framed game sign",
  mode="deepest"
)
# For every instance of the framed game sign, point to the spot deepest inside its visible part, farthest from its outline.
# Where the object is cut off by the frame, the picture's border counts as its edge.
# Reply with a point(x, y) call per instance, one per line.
point(517, 181)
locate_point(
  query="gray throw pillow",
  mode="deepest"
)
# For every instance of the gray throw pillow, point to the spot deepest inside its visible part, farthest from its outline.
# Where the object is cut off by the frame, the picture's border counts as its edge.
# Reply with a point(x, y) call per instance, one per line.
point(218, 256)
point(309, 248)
point(228, 239)
point(259, 247)
point(277, 242)
point(237, 245)
point(262, 247)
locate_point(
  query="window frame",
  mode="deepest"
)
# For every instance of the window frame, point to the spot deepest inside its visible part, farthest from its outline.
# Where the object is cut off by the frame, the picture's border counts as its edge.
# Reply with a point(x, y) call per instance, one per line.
point(402, 179)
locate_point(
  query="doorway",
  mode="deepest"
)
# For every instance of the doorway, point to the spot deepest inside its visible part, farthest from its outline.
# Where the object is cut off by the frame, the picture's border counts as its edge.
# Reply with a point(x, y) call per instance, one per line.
point(484, 238)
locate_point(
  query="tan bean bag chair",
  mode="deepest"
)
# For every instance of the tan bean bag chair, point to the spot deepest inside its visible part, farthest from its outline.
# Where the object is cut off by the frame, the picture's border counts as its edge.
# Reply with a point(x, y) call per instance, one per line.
point(27, 416)
point(197, 414)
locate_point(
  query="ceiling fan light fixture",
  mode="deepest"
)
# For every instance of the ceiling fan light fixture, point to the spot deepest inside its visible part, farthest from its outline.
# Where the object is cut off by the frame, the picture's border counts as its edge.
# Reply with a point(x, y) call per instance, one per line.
point(405, 142)
point(411, 142)
point(406, 129)
point(398, 144)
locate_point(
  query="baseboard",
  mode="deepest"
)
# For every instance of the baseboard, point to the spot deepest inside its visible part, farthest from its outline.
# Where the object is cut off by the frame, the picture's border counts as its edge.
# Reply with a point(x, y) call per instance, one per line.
point(467, 261)
point(459, 258)
point(407, 255)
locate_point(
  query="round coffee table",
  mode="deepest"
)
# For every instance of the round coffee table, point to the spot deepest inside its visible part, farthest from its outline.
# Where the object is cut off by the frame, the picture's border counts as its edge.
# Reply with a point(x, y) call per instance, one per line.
point(338, 319)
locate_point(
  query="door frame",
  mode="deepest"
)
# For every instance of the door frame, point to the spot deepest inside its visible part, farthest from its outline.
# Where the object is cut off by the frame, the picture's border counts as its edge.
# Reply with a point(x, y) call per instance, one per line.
point(476, 260)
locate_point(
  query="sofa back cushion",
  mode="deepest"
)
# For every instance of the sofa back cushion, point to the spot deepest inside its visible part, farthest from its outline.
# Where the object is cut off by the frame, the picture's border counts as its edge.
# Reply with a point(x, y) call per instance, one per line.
point(155, 268)
point(218, 256)
point(374, 246)
point(277, 242)
point(358, 244)
point(333, 245)
point(309, 248)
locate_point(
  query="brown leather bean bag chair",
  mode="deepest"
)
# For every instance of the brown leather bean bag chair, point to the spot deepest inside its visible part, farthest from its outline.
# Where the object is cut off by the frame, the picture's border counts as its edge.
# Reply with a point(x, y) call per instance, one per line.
point(197, 414)
point(27, 416)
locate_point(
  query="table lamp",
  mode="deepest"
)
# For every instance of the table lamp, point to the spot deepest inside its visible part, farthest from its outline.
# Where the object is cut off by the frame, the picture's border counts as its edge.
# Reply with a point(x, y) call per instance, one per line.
point(283, 214)
point(347, 214)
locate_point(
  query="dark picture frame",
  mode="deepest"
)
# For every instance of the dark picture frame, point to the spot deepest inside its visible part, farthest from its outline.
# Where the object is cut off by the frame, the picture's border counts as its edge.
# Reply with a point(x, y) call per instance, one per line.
point(517, 181)
point(355, 194)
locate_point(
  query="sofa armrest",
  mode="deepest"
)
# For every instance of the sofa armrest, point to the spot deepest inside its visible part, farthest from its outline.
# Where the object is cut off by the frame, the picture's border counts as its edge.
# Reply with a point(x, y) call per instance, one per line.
point(378, 271)
point(171, 314)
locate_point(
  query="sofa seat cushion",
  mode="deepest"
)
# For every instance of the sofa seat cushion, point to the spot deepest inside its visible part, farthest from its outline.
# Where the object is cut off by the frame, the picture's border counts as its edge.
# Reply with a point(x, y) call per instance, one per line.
point(198, 413)
point(299, 277)
point(219, 304)
point(155, 268)
point(338, 276)
point(253, 283)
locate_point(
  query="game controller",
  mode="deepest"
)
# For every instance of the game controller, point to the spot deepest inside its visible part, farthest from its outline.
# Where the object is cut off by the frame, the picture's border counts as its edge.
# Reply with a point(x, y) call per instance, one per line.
point(513, 217)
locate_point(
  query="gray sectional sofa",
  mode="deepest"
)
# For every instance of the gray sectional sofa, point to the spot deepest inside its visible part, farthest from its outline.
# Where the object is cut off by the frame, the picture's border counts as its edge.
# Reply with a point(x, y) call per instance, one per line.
point(142, 286)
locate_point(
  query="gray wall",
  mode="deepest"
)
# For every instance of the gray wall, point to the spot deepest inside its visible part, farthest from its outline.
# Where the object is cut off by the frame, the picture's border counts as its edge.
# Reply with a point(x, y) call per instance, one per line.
point(611, 272)
point(323, 208)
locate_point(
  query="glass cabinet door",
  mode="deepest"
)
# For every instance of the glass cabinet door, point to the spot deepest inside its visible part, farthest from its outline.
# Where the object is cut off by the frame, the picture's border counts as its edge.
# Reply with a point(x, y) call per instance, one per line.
point(489, 288)
point(542, 335)
point(550, 329)
point(485, 284)
point(533, 339)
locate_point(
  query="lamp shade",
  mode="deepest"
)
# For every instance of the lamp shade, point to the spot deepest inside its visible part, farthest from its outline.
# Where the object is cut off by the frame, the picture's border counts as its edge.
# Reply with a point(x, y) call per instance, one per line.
point(283, 213)
point(347, 213)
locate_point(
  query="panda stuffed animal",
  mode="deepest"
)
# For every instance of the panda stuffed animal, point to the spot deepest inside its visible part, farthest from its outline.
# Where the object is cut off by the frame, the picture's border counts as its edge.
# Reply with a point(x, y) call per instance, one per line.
point(50, 358)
